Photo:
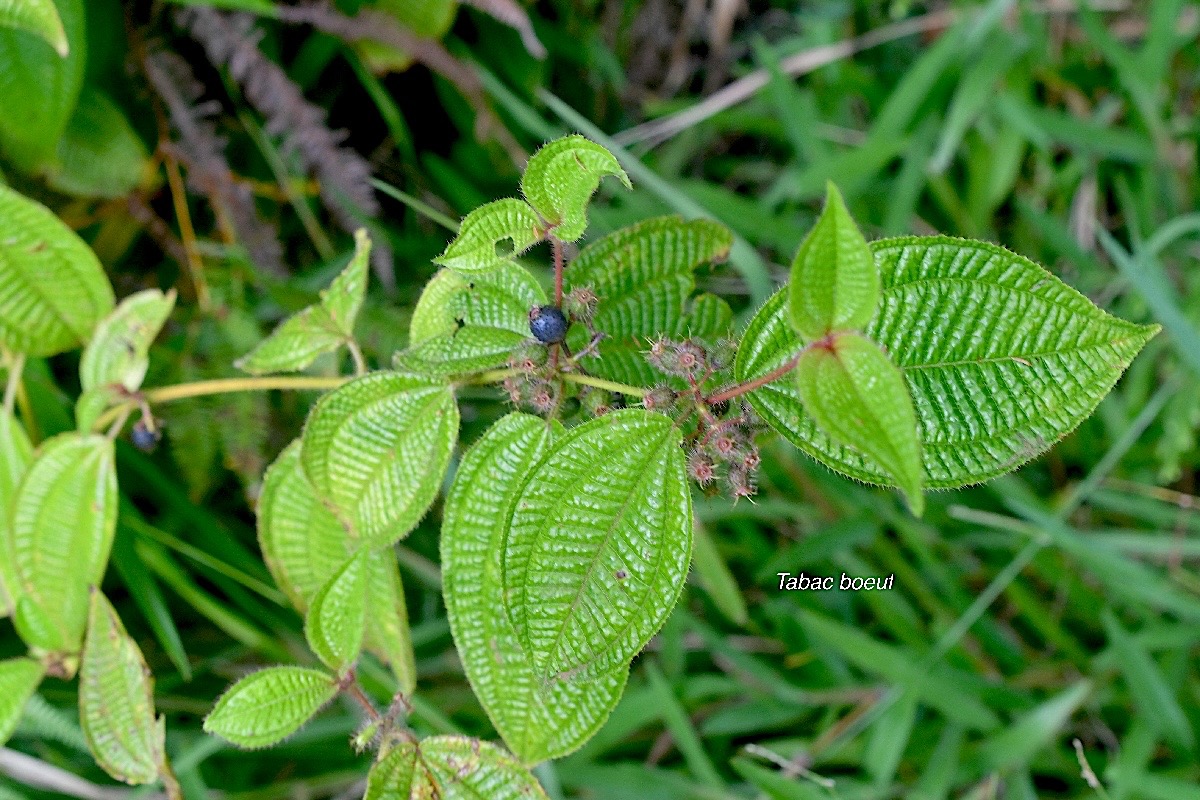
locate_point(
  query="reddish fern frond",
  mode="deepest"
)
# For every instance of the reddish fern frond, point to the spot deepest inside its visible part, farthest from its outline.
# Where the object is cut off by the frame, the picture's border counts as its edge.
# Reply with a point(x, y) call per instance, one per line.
point(231, 42)
point(202, 151)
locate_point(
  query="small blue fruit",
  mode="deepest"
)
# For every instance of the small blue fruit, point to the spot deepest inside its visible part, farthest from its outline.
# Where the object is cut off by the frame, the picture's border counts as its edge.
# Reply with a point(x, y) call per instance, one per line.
point(548, 324)
point(143, 438)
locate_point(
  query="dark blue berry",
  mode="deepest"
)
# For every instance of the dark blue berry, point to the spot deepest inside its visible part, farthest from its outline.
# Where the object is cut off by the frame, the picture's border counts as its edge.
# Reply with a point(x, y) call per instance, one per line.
point(548, 324)
point(143, 438)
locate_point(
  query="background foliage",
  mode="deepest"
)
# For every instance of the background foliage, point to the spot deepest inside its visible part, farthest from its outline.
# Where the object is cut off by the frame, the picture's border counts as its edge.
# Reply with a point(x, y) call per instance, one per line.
point(1052, 607)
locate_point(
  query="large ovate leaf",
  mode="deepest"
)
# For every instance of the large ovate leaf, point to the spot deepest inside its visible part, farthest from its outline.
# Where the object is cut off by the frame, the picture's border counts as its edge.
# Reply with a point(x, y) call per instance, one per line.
point(16, 453)
point(118, 353)
point(376, 450)
point(59, 534)
point(19, 679)
point(598, 545)
point(270, 705)
point(320, 328)
point(1001, 359)
point(39, 17)
point(116, 699)
point(560, 179)
point(473, 250)
point(303, 545)
point(53, 291)
point(644, 276)
point(468, 326)
point(537, 720)
point(450, 768)
point(337, 616)
point(834, 284)
point(858, 397)
point(100, 154)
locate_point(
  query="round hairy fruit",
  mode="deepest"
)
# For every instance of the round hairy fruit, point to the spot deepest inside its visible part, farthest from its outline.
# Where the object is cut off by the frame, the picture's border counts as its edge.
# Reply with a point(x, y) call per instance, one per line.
point(548, 324)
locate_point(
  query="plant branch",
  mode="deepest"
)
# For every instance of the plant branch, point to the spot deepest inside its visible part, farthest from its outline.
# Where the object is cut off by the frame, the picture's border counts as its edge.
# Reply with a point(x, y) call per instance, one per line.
point(16, 366)
point(557, 246)
point(601, 383)
point(736, 390)
point(360, 361)
point(351, 688)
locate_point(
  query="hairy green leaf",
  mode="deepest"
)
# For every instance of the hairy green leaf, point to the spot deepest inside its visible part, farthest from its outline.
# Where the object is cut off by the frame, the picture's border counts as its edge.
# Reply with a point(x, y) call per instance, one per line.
point(320, 328)
point(19, 679)
point(599, 543)
point(560, 179)
point(116, 699)
point(43, 85)
point(16, 453)
point(834, 283)
point(303, 545)
point(537, 720)
point(269, 705)
point(643, 276)
point(337, 615)
point(118, 353)
point(376, 450)
point(858, 397)
point(59, 534)
point(1001, 359)
point(450, 768)
point(478, 323)
point(474, 248)
point(53, 291)
point(99, 154)
point(38, 17)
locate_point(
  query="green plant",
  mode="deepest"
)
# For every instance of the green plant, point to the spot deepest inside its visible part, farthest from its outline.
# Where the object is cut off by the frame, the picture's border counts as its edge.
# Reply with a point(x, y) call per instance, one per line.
point(913, 362)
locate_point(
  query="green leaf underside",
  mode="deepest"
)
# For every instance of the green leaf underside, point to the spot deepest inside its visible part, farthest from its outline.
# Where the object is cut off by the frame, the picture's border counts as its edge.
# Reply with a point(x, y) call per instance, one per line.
point(463, 326)
point(834, 284)
point(303, 545)
point(345, 295)
point(53, 291)
point(118, 353)
point(376, 450)
point(859, 398)
point(116, 699)
point(1016, 360)
point(644, 276)
point(474, 251)
point(59, 534)
point(537, 720)
point(599, 543)
point(268, 706)
point(16, 453)
point(337, 616)
point(38, 17)
point(450, 768)
point(19, 679)
point(561, 178)
point(100, 154)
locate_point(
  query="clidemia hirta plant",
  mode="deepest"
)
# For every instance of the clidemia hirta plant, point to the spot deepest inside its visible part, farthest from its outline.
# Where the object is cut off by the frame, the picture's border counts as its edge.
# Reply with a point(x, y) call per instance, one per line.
point(916, 362)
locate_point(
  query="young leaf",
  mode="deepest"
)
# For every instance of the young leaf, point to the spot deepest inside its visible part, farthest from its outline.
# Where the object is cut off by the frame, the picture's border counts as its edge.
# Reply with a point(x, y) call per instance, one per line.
point(54, 290)
point(59, 535)
point(118, 352)
point(858, 397)
point(1022, 361)
point(16, 453)
point(337, 616)
point(320, 328)
point(303, 545)
point(270, 705)
point(116, 699)
point(38, 17)
point(560, 179)
point(537, 721)
point(598, 546)
point(478, 324)
point(474, 251)
point(376, 450)
point(19, 679)
point(450, 768)
point(834, 283)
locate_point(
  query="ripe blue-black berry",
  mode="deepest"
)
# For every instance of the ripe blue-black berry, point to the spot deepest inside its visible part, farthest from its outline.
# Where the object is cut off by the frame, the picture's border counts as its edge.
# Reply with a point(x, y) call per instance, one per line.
point(548, 324)
point(143, 438)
